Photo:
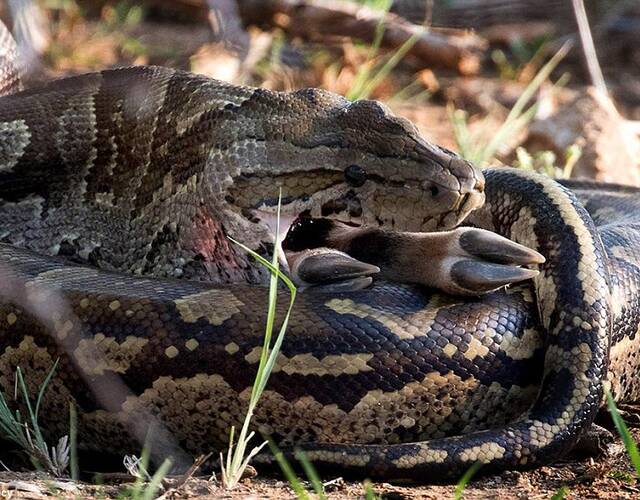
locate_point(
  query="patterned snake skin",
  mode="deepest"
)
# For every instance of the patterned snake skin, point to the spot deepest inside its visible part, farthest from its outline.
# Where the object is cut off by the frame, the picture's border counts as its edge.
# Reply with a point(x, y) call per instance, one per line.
point(144, 171)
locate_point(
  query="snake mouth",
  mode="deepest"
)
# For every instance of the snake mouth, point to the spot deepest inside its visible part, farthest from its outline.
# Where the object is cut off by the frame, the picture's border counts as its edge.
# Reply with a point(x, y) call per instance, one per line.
point(397, 205)
point(445, 221)
point(469, 202)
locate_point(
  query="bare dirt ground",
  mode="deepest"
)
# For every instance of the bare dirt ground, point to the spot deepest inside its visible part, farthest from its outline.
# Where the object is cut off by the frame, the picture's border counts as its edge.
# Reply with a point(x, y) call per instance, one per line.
point(79, 46)
point(607, 477)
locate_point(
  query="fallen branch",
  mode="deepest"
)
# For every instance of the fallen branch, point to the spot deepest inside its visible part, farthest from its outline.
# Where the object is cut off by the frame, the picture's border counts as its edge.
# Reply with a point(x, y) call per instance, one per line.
point(480, 14)
point(319, 20)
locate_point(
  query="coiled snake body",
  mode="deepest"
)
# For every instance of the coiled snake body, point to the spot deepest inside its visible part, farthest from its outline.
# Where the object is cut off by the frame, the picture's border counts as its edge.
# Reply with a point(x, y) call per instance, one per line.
point(144, 171)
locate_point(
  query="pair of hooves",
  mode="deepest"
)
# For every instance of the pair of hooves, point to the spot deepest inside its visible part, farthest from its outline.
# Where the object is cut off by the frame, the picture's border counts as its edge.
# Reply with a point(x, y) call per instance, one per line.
point(475, 262)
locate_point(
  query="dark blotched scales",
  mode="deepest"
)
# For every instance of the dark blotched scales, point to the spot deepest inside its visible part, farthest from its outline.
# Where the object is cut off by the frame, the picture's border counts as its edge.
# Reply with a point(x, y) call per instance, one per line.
point(144, 171)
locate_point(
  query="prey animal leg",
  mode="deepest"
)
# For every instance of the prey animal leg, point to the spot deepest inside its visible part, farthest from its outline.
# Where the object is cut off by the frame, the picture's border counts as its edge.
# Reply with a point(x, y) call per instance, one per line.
point(465, 261)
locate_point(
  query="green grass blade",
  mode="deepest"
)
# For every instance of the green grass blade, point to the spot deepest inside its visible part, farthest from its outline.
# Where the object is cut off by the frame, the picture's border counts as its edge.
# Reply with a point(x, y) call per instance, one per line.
point(271, 307)
point(44, 386)
point(24, 392)
point(152, 487)
point(73, 441)
point(627, 439)
point(232, 469)
point(263, 371)
point(34, 427)
point(266, 263)
point(264, 374)
point(464, 480)
point(561, 494)
point(311, 473)
point(369, 492)
point(273, 356)
point(295, 483)
point(518, 108)
point(11, 424)
point(388, 66)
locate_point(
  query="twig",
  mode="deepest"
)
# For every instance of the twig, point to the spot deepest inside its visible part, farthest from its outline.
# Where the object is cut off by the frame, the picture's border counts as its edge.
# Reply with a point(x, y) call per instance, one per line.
point(190, 471)
point(226, 25)
point(595, 72)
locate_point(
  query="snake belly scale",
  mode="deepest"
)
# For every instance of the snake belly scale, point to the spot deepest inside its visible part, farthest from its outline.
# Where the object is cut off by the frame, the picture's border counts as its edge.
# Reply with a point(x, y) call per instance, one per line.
point(144, 171)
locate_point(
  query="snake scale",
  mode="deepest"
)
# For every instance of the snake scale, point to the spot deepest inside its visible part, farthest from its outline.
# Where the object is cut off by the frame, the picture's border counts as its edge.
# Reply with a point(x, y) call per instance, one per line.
point(117, 192)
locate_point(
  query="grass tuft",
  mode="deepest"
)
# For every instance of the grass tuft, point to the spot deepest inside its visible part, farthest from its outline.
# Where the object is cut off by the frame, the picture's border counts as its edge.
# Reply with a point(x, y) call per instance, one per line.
point(369, 492)
point(545, 161)
point(26, 433)
point(371, 74)
point(146, 486)
point(237, 457)
point(480, 152)
point(73, 442)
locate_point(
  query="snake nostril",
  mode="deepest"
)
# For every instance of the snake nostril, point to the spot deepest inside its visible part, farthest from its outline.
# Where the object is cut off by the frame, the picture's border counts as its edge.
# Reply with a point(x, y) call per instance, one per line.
point(434, 190)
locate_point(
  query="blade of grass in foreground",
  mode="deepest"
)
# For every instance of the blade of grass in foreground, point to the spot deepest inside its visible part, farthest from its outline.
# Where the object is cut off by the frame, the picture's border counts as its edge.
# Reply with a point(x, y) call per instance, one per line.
point(73, 441)
point(295, 483)
point(369, 492)
point(145, 487)
point(26, 432)
point(238, 458)
point(627, 439)
point(311, 473)
point(464, 480)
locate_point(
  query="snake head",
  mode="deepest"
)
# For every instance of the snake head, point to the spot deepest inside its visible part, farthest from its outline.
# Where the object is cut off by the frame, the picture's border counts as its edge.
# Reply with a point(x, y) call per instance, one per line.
point(410, 183)
point(355, 162)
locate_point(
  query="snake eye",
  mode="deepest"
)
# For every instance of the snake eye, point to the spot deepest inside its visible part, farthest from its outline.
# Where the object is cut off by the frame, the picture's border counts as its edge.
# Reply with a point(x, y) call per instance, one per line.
point(355, 175)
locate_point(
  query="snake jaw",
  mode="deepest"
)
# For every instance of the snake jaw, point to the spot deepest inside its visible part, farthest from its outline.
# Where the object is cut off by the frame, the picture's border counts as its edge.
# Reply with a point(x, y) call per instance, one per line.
point(467, 204)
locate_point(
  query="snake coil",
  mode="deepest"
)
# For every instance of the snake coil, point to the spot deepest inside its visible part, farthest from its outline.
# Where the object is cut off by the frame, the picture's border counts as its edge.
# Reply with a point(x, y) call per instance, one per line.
point(394, 381)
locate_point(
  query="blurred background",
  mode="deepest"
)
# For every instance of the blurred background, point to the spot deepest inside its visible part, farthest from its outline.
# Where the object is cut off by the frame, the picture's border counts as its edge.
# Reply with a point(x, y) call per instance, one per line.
point(550, 85)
